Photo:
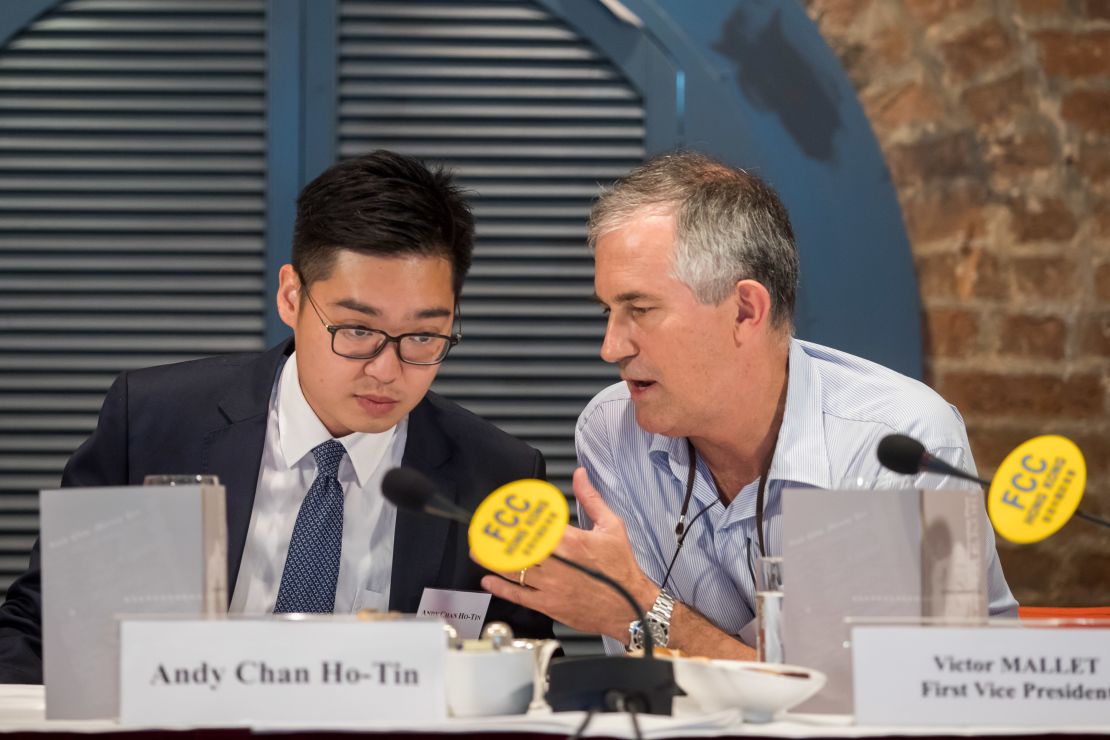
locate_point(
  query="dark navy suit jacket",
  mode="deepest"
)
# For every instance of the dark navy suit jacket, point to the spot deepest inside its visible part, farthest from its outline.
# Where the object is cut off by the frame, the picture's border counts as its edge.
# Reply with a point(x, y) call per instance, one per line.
point(209, 416)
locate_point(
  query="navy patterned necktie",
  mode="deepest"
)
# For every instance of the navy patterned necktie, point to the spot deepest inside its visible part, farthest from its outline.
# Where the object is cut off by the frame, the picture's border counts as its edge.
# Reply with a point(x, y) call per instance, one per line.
point(312, 565)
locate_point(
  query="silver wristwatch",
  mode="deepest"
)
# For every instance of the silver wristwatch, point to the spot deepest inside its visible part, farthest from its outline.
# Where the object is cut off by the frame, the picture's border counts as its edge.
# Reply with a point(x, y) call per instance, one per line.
point(658, 621)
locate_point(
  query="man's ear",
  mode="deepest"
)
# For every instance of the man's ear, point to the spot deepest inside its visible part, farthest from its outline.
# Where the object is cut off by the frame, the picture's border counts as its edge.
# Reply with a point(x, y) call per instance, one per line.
point(288, 296)
point(752, 303)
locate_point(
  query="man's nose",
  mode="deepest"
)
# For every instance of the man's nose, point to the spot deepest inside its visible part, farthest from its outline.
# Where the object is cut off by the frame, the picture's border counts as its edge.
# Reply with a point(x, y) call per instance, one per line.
point(616, 345)
point(386, 366)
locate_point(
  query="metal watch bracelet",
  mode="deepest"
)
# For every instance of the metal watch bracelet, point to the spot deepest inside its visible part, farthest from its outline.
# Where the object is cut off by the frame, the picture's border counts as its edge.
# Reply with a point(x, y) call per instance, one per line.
point(658, 621)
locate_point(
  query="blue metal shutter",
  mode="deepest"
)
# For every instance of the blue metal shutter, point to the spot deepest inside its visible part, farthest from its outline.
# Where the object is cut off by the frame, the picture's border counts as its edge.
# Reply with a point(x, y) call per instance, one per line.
point(532, 118)
point(132, 152)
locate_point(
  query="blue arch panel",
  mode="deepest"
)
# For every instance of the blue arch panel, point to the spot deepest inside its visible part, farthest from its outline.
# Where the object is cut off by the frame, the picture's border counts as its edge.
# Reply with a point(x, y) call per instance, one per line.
point(752, 83)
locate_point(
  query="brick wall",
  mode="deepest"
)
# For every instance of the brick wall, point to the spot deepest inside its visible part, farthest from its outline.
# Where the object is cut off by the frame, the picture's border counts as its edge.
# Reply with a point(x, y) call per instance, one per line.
point(994, 117)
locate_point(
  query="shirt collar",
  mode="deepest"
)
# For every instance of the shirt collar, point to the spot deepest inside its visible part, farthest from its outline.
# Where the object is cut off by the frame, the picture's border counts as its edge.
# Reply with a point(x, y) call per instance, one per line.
point(801, 455)
point(663, 447)
point(300, 430)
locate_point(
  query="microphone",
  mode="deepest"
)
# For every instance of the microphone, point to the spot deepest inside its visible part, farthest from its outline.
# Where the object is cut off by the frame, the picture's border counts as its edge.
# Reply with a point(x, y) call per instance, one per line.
point(409, 489)
point(611, 684)
point(906, 455)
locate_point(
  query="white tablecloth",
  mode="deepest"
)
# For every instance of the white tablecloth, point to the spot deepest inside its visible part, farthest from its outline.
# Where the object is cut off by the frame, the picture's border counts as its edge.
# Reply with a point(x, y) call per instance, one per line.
point(22, 709)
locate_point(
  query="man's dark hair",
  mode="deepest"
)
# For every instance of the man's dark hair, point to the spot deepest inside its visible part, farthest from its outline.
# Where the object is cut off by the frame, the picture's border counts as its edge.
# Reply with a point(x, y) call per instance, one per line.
point(382, 204)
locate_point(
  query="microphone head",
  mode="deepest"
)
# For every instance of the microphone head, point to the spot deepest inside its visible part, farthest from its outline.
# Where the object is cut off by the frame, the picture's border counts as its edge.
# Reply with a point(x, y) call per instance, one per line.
point(406, 488)
point(901, 454)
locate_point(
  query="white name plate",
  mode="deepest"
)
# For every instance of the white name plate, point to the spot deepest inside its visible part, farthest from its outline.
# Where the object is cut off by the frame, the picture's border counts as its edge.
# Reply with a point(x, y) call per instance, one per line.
point(235, 671)
point(463, 610)
point(981, 676)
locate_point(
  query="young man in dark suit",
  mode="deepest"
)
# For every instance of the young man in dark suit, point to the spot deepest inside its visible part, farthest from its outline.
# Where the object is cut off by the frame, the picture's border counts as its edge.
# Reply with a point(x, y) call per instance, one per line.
point(302, 434)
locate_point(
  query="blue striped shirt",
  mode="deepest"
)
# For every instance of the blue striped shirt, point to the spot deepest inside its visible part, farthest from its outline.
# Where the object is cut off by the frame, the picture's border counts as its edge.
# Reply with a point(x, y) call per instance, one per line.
point(838, 407)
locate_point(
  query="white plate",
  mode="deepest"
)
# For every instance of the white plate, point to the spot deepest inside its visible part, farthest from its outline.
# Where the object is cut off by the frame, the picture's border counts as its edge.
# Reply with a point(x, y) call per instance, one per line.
point(759, 690)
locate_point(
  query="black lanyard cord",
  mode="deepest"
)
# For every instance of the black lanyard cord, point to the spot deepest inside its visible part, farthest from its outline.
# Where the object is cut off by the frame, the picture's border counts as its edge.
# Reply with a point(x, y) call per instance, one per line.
point(759, 510)
point(682, 529)
point(681, 539)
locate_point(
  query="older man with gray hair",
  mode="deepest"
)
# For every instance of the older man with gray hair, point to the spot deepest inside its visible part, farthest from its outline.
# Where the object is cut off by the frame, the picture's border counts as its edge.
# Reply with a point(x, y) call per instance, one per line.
point(720, 408)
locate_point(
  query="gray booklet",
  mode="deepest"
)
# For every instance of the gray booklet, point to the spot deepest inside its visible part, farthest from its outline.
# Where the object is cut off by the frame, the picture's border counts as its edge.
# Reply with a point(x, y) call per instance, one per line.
point(874, 554)
point(125, 550)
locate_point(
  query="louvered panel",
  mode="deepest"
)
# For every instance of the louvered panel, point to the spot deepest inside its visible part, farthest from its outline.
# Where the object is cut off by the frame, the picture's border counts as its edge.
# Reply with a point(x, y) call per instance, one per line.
point(128, 83)
point(132, 304)
point(106, 7)
point(83, 183)
point(542, 270)
point(197, 206)
point(126, 63)
point(123, 222)
point(453, 90)
point(459, 153)
point(538, 250)
point(186, 44)
point(131, 323)
point(572, 290)
point(531, 118)
point(533, 311)
point(129, 342)
point(109, 283)
point(473, 130)
point(536, 370)
point(57, 382)
point(132, 187)
point(89, 361)
point(194, 244)
point(503, 51)
point(129, 264)
point(178, 25)
point(40, 443)
point(123, 123)
point(504, 12)
point(152, 165)
point(154, 144)
point(469, 71)
point(150, 104)
point(553, 189)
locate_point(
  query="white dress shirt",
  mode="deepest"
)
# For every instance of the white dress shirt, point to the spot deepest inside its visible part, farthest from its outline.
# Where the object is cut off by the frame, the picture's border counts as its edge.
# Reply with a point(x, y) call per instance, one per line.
point(838, 407)
point(284, 477)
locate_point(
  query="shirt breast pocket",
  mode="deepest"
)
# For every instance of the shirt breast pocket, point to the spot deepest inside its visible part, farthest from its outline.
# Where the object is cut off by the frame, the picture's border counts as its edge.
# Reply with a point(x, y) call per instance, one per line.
point(375, 600)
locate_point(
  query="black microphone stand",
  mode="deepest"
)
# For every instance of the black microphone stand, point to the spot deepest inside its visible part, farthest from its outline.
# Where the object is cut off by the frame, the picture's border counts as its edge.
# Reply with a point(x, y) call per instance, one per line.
point(589, 683)
point(612, 683)
point(603, 683)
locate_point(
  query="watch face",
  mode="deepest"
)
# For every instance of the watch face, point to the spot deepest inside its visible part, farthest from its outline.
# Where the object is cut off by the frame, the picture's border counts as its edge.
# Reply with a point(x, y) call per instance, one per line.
point(659, 632)
point(635, 636)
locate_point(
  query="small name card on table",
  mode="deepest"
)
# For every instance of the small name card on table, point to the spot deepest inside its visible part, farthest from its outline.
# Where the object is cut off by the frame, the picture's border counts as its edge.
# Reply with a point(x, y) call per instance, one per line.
point(981, 676)
point(231, 671)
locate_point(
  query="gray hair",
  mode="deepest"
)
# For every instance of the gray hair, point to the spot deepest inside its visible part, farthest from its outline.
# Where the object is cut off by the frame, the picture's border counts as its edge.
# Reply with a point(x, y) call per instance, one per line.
point(730, 226)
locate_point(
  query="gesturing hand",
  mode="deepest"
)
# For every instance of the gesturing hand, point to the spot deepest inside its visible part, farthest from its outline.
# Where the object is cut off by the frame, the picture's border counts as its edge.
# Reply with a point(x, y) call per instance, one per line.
point(571, 597)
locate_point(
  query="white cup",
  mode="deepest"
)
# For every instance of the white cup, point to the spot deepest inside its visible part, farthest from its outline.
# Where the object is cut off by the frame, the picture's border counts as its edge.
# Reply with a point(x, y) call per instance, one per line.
point(482, 684)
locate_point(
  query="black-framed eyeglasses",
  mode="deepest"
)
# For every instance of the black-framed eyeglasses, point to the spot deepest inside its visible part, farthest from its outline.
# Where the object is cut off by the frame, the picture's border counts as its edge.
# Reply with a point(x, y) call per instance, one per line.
point(363, 343)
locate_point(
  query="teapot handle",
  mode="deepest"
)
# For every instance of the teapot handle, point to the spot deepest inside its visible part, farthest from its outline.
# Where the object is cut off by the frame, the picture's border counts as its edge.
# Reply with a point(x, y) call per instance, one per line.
point(543, 656)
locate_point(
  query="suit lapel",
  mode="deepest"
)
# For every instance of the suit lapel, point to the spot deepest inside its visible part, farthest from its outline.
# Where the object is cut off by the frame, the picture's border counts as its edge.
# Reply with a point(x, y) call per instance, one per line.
point(419, 539)
point(234, 452)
